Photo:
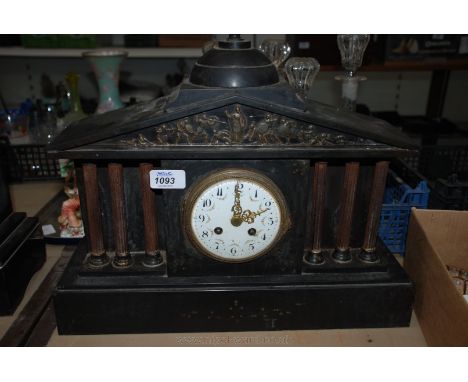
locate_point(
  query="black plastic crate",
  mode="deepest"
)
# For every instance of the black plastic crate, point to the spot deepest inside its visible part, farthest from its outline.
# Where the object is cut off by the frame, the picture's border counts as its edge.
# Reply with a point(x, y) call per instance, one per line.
point(449, 194)
point(443, 161)
point(412, 162)
point(405, 169)
point(30, 162)
point(446, 170)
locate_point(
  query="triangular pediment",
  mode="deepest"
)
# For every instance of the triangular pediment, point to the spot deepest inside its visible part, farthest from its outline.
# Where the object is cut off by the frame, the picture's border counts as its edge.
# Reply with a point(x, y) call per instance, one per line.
point(236, 124)
point(263, 117)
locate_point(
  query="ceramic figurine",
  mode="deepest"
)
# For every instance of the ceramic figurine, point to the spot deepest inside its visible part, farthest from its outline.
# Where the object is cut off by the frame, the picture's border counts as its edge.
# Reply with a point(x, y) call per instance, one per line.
point(71, 225)
point(69, 219)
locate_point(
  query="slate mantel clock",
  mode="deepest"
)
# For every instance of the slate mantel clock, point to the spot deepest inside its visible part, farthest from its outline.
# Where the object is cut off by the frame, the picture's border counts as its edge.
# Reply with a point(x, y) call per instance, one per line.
point(231, 205)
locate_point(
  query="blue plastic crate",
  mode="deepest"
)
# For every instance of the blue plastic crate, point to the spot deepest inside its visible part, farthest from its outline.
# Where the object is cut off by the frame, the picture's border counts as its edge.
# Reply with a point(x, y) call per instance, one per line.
point(396, 210)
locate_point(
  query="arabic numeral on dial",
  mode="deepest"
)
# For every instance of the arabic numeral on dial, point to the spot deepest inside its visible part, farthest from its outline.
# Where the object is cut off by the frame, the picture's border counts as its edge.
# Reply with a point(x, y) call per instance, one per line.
point(233, 251)
point(264, 236)
point(251, 247)
point(254, 194)
point(267, 203)
point(202, 218)
point(268, 221)
point(219, 191)
point(207, 203)
point(205, 234)
point(241, 186)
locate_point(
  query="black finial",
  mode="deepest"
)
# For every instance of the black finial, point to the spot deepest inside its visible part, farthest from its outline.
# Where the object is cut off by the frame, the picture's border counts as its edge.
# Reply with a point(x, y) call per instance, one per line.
point(234, 41)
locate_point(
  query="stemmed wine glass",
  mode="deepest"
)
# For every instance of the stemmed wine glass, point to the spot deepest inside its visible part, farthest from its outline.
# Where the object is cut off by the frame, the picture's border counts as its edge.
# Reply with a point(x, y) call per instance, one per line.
point(352, 48)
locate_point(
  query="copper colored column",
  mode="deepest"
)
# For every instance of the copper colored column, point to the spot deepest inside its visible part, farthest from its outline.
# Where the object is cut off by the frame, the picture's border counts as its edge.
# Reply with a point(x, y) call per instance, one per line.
point(318, 206)
point(116, 188)
point(348, 196)
point(375, 206)
point(153, 256)
point(95, 238)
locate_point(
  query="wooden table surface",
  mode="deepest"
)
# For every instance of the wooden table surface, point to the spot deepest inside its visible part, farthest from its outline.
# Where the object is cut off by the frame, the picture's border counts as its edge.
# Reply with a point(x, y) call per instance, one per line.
point(31, 196)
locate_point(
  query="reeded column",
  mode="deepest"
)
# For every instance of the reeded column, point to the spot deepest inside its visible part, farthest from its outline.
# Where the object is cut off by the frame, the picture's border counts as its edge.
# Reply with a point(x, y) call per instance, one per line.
point(153, 256)
point(318, 211)
point(348, 196)
point(373, 216)
point(98, 257)
point(116, 187)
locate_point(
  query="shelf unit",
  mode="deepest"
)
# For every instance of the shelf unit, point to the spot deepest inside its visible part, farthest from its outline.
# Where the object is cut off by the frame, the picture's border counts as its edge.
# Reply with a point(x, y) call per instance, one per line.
point(76, 53)
point(421, 65)
point(440, 68)
point(399, 66)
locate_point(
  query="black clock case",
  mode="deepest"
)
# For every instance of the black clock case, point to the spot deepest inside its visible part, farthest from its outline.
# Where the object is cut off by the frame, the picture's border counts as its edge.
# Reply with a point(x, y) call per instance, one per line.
point(144, 302)
point(192, 293)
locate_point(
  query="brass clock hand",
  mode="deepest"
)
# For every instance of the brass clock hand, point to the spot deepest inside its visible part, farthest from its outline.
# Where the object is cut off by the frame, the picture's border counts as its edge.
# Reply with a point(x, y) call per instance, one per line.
point(236, 219)
point(249, 216)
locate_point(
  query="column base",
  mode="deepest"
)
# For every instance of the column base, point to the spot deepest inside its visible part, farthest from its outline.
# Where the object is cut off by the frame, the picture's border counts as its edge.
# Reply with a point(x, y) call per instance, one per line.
point(97, 261)
point(152, 260)
point(122, 261)
point(341, 256)
point(314, 258)
point(369, 256)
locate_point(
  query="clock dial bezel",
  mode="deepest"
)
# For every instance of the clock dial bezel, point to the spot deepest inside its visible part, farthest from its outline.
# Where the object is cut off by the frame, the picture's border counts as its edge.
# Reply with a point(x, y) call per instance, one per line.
point(249, 175)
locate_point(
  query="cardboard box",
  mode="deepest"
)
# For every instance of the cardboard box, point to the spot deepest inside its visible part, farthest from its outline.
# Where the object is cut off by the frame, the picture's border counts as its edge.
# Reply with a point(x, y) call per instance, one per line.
point(438, 238)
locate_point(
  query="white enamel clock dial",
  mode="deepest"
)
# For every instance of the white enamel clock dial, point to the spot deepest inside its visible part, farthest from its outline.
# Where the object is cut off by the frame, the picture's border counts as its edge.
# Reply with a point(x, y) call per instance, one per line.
point(235, 215)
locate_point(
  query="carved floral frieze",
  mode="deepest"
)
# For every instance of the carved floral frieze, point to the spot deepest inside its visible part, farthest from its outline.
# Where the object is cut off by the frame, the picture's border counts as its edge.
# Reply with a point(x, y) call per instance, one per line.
point(239, 125)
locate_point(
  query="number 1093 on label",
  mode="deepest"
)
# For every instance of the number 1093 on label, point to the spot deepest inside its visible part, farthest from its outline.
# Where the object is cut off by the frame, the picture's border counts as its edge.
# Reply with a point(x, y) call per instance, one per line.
point(167, 179)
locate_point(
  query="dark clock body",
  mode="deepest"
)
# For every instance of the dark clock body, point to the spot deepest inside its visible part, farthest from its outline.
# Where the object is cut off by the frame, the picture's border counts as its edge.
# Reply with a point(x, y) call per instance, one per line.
point(292, 179)
point(209, 256)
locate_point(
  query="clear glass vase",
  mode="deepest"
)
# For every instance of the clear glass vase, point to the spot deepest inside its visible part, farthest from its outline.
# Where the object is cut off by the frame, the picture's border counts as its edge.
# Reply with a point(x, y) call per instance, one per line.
point(276, 50)
point(301, 73)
